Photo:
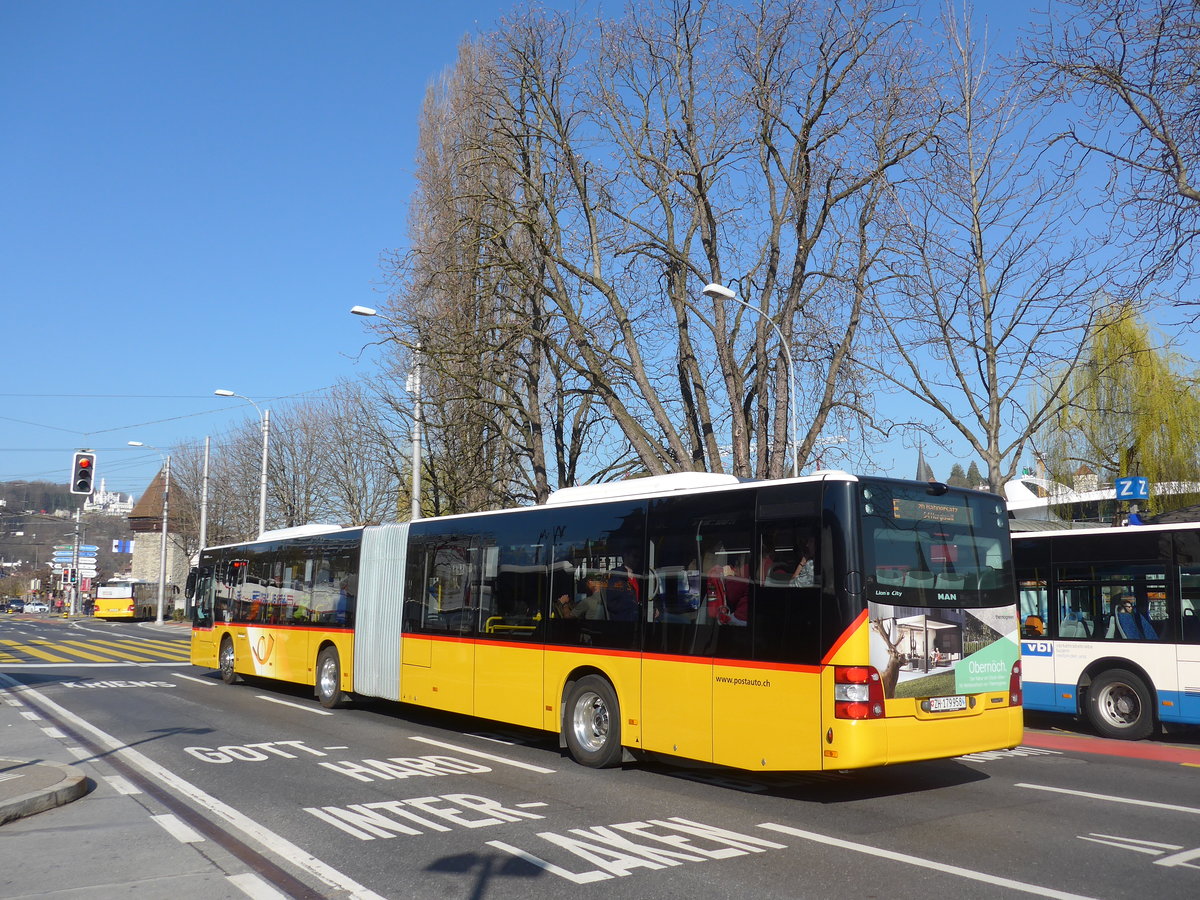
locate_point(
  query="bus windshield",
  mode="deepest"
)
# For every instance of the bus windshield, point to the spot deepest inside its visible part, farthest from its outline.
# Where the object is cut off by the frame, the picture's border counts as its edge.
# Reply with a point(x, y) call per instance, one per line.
point(922, 548)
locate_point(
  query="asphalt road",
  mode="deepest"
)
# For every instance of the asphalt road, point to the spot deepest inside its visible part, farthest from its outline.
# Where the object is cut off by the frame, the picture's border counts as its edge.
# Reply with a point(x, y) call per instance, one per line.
point(203, 789)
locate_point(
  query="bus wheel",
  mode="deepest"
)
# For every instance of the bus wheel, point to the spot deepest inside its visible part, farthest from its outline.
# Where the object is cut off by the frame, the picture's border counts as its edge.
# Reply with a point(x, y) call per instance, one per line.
point(225, 661)
point(1118, 706)
point(329, 678)
point(592, 723)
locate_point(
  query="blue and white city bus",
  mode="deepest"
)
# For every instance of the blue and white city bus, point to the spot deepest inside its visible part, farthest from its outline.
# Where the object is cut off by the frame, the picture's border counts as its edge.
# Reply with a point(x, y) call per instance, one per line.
point(1111, 625)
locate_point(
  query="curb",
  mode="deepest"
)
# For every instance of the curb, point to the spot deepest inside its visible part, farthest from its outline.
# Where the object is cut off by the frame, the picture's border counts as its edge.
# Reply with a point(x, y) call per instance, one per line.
point(58, 785)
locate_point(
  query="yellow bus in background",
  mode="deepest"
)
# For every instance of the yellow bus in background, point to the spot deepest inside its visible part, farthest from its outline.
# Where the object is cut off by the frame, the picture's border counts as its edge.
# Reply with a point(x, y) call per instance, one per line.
point(822, 622)
point(126, 600)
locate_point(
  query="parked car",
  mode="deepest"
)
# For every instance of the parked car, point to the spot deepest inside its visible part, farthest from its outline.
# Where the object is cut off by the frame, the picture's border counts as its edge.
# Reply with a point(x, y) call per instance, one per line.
point(36, 606)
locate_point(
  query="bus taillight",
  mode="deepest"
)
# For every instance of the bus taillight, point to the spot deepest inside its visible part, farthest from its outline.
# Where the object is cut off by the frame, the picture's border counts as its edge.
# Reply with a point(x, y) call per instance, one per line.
point(857, 693)
point(1015, 693)
point(129, 609)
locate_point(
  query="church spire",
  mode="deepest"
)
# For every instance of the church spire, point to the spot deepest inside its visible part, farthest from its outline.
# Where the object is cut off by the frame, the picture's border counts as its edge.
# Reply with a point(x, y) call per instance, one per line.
point(924, 473)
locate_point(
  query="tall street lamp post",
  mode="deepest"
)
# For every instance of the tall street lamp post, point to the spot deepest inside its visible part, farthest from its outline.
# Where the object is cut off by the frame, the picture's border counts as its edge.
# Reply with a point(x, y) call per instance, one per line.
point(720, 292)
point(413, 386)
point(162, 544)
point(264, 419)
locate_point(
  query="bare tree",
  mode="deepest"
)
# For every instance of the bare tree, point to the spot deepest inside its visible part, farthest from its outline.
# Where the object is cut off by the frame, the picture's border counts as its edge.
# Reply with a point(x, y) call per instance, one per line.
point(1132, 65)
point(995, 291)
point(506, 422)
point(356, 478)
point(629, 164)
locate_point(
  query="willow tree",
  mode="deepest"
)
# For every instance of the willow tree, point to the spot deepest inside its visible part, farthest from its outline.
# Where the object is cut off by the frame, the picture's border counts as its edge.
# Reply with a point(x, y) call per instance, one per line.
point(1133, 408)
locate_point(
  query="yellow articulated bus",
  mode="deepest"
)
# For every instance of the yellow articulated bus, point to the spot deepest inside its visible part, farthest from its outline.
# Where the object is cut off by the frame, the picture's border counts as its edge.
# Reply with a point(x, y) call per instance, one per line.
point(126, 600)
point(823, 622)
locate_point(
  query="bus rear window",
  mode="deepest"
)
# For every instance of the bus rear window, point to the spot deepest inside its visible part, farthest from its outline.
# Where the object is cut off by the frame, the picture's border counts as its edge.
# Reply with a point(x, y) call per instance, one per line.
point(950, 549)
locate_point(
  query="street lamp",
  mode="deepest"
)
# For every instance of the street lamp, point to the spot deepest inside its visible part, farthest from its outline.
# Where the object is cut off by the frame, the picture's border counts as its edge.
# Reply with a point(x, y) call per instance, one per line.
point(162, 544)
point(413, 386)
point(264, 419)
point(720, 292)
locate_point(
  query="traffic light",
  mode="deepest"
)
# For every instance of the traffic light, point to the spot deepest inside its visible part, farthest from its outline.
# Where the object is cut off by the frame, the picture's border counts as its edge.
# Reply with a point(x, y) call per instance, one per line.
point(83, 472)
point(68, 576)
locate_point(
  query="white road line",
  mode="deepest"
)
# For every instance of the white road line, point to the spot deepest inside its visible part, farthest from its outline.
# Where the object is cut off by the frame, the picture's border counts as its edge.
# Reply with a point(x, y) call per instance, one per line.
point(319, 712)
point(91, 665)
point(31, 716)
point(499, 759)
point(79, 753)
point(178, 829)
point(1110, 798)
point(254, 887)
point(121, 785)
point(207, 681)
point(1150, 848)
point(577, 877)
point(494, 740)
point(54, 733)
point(926, 863)
point(252, 830)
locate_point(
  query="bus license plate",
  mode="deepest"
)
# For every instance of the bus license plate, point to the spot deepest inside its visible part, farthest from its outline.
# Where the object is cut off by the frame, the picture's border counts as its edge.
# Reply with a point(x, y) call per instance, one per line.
point(947, 704)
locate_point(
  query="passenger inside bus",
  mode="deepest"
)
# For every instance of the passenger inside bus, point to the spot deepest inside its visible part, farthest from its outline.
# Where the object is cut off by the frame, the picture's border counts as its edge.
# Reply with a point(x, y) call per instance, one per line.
point(729, 590)
point(1129, 623)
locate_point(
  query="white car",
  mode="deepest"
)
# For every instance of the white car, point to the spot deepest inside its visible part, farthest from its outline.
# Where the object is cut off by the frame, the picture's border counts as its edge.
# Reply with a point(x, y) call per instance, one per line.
point(36, 606)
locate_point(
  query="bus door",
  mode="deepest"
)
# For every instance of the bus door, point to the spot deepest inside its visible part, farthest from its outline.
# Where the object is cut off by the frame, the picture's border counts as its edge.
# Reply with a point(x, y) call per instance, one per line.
point(700, 575)
point(448, 622)
point(512, 615)
point(1188, 658)
point(200, 591)
point(677, 667)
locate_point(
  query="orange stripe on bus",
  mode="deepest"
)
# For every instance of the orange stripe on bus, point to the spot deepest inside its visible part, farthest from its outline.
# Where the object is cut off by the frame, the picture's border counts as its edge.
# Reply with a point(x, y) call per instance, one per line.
point(858, 623)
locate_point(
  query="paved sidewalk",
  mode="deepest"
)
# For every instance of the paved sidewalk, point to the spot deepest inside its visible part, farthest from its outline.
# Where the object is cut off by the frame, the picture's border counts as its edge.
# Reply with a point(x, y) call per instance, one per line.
point(34, 776)
point(31, 786)
point(64, 811)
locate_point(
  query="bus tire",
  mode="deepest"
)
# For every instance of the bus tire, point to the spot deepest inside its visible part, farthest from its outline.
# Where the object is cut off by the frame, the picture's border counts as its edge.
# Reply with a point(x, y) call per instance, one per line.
point(1119, 706)
point(592, 723)
point(329, 679)
point(226, 662)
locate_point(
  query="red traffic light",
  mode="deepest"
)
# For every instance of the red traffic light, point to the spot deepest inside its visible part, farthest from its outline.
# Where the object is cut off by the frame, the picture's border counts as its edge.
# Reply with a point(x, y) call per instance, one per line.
point(81, 473)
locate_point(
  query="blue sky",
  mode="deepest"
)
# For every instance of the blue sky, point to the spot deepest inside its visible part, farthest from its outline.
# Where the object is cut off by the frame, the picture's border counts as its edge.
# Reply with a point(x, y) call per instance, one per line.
point(194, 195)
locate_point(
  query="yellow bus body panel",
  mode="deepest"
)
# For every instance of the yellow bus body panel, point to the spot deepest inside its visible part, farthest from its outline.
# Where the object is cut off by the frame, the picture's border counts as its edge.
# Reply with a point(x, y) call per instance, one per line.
point(507, 683)
point(204, 648)
point(677, 706)
point(449, 680)
point(747, 716)
point(766, 719)
point(903, 736)
point(287, 654)
point(112, 609)
point(906, 733)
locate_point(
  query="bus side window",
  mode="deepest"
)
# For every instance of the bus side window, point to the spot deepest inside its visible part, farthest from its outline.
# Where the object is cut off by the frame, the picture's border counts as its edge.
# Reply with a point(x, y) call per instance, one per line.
point(1189, 604)
point(1191, 621)
point(1034, 612)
